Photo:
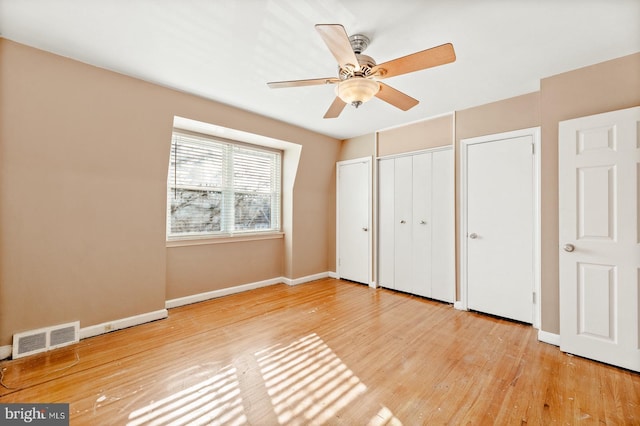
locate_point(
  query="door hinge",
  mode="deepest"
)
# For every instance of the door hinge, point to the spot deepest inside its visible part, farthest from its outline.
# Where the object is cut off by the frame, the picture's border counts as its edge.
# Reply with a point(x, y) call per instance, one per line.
point(533, 148)
point(534, 297)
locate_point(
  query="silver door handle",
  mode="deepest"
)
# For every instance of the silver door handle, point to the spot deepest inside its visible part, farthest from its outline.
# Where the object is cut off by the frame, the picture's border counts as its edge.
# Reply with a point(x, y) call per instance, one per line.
point(403, 221)
point(365, 229)
point(473, 235)
point(423, 222)
point(569, 247)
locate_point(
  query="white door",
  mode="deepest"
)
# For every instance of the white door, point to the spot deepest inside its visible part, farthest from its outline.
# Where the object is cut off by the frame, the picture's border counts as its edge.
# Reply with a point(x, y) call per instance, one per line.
point(354, 205)
point(599, 181)
point(500, 221)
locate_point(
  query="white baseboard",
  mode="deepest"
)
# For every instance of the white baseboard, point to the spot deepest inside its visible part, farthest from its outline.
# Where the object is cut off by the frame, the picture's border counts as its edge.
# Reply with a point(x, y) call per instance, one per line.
point(333, 275)
point(5, 351)
point(302, 280)
point(201, 297)
point(551, 338)
point(106, 327)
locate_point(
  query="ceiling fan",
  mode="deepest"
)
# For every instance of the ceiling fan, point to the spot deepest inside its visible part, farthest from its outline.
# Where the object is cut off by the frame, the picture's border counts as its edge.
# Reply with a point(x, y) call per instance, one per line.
point(359, 75)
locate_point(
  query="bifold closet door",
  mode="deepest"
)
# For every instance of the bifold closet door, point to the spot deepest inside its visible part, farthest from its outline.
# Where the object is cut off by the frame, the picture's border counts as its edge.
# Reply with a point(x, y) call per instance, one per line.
point(442, 227)
point(403, 225)
point(422, 206)
point(416, 237)
point(386, 223)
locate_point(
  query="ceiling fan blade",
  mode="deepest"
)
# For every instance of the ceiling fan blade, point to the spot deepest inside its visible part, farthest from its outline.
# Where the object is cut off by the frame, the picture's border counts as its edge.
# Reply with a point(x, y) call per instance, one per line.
point(396, 97)
point(337, 40)
point(298, 83)
point(433, 57)
point(335, 109)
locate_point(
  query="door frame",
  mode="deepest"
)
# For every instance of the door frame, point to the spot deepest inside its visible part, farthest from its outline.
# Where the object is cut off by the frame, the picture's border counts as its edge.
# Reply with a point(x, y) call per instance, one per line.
point(368, 161)
point(534, 132)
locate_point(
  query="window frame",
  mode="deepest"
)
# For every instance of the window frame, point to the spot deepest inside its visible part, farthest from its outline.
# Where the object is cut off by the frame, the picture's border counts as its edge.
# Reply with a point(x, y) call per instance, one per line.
point(227, 190)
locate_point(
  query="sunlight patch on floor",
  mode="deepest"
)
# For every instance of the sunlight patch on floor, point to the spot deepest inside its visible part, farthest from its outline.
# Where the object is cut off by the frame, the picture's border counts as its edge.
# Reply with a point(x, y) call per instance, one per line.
point(306, 381)
point(217, 398)
point(384, 417)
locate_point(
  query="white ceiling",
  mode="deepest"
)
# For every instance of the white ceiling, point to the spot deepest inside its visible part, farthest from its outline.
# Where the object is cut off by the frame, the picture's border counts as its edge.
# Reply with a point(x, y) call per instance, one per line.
point(227, 50)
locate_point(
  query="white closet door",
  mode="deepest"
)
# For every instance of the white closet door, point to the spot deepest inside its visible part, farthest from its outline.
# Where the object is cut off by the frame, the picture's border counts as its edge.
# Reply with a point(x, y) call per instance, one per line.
point(442, 227)
point(386, 223)
point(421, 225)
point(403, 187)
point(500, 229)
point(354, 203)
point(416, 237)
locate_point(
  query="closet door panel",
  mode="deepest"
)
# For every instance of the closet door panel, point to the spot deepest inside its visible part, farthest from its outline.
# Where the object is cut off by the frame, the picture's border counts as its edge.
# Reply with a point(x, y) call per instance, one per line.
point(421, 225)
point(403, 224)
point(443, 227)
point(386, 223)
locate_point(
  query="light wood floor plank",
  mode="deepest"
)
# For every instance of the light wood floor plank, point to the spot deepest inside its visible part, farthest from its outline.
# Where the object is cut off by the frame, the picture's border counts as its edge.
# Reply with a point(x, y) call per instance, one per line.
point(327, 352)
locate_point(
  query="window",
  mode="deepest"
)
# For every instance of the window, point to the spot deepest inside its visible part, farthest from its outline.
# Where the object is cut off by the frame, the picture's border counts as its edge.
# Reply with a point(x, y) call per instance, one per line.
point(220, 187)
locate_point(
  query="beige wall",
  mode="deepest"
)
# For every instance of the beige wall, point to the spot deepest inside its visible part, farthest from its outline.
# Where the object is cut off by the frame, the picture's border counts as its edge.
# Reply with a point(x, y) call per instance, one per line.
point(194, 269)
point(515, 113)
point(425, 134)
point(83, 164)
point(358, 147)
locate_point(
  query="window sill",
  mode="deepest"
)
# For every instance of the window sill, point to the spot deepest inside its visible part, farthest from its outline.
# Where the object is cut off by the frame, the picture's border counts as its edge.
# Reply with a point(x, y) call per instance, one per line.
point(224, 239)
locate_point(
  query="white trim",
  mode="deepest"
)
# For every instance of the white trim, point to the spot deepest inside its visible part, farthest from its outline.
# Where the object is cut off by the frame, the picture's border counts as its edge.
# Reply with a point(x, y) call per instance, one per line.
point(334, 275)
point(420, 120)
point(374, 215)
point(201, 297)
point(534, 132)
point(459, 305)
point(5, 351)
point(306, 279)
point(368, 161)
point(550, 338)
point(235, 238)
point(109, 326)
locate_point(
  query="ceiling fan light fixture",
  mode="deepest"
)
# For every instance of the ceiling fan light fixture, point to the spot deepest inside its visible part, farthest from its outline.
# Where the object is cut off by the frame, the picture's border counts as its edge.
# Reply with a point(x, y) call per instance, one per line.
point(357, 90)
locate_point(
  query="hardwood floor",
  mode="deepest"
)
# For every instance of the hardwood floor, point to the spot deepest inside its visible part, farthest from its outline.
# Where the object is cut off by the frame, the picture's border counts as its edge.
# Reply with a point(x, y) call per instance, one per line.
point(326, 352)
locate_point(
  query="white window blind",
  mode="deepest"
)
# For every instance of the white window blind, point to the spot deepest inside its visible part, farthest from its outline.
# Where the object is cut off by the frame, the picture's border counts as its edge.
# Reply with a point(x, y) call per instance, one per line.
point(218, 187)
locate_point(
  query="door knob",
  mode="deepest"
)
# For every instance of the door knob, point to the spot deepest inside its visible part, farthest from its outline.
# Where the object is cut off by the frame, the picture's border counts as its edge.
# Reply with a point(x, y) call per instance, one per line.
point(569, 247)
point(403, 221)
point(365, 229)
point(423, 222)
point(473, 235)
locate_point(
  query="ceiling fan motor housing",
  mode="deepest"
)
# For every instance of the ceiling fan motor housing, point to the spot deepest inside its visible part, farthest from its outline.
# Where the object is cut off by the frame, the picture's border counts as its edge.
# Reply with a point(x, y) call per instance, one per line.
point(366, 68)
